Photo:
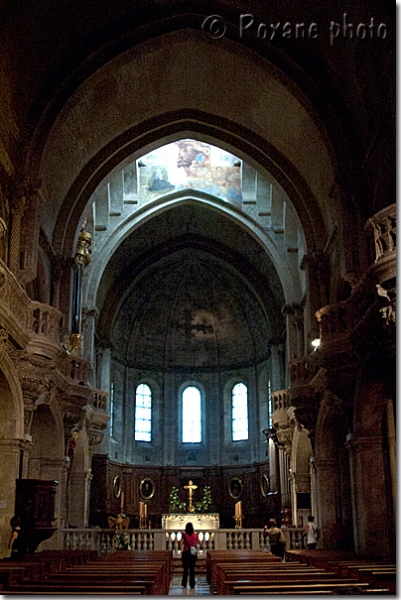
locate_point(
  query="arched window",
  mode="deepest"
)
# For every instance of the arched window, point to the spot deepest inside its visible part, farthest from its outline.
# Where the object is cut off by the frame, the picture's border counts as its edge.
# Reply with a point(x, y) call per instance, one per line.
point(191, 415)
point(239, 413)
point(143, 413)
point(111, 409)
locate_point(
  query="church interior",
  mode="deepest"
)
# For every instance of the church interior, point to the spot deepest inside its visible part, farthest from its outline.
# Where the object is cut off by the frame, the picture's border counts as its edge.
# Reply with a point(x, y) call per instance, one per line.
point(197, 271)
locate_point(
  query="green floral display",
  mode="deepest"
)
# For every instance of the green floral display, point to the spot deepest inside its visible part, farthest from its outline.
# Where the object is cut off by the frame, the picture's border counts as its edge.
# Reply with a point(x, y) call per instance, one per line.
point(204, 505)
point(120, 541)
point(174, 502)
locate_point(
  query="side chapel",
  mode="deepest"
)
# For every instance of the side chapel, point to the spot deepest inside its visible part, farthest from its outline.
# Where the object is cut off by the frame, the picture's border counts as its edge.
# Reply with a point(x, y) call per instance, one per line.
point(197, 265)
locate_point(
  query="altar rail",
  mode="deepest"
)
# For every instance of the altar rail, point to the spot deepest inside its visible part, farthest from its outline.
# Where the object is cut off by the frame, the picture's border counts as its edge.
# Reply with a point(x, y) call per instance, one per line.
point(160, 539)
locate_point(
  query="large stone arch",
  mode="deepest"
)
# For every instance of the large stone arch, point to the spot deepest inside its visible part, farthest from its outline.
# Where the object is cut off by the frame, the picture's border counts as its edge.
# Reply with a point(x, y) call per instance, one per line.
point(131, 102)
point(290, 287)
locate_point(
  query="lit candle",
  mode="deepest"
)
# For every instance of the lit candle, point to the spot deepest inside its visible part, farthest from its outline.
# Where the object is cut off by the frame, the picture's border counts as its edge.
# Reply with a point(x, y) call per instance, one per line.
point(145, 510)
point(122, 501)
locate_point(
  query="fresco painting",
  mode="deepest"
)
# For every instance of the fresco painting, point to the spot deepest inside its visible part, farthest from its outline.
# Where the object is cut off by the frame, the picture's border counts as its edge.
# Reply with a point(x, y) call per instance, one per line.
point(190, 164)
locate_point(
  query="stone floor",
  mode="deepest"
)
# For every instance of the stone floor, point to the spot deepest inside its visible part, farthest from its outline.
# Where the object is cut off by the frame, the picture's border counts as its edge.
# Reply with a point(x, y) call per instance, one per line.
point(202, 587)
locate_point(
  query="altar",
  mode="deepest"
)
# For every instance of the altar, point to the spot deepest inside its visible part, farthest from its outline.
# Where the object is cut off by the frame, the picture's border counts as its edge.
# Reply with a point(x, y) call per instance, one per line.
point(200, 521)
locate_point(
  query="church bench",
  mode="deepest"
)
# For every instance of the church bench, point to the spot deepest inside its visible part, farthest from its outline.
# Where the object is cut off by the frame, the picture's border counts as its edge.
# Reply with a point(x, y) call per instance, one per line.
point(21, 570)
point(319, 557)
point(60, 559)
point(319, 581)
point(108, 579)
point(341, 567)
point(43, 589)
point(219, 569)
point(232, 570)
point(158, 572)
point(354, 570)
point(379, 577)
point(376, 592)
point(261, 574)
point(215, 557)
point(77, 593)
point(285, 587)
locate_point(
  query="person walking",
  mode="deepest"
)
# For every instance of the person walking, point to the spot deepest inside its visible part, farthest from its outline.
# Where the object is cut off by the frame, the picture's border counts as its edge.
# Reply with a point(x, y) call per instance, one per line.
point(189, 542)
point(311, 533)
point(276, 539)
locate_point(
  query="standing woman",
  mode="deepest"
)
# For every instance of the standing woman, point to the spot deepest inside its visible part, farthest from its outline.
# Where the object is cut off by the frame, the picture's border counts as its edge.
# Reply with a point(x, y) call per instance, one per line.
point(311, 533)
point(189, 542)
point(276, 538)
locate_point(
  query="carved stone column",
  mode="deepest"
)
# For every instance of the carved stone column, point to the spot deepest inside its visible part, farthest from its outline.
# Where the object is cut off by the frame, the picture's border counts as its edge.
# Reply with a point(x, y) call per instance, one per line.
point(328, 483)
point(317, 269)
point(18, 205)
point(89, 319)
point(30, 234)
point(56, 469)
point(79, 499)
point(368, 494)
point(295, 330)
point(10, 455)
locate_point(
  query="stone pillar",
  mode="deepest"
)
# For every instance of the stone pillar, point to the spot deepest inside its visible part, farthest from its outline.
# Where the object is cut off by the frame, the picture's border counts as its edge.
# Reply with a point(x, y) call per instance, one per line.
point(295, 330)
point(328, 485)
point(316, 267)
point(103, 383)
point(56, 470)
point(90, 316)
point(278, 378)
point(367, 466)
point(30, 235)
point(79, 489)
point(10, 450)
point(392, 452)
point(18, 206)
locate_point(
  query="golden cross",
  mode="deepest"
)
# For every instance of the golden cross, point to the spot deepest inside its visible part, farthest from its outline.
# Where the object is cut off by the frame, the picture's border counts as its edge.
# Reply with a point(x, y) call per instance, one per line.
point(190, 487)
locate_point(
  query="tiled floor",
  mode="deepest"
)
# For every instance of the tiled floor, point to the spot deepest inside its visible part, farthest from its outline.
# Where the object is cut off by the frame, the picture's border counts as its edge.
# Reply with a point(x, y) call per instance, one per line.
point(202, 587)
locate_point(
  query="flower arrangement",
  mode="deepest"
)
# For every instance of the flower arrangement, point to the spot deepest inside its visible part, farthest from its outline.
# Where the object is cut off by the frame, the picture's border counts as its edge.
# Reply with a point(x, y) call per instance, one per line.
point(174, 502)
point(204, 505)
point(120, 540)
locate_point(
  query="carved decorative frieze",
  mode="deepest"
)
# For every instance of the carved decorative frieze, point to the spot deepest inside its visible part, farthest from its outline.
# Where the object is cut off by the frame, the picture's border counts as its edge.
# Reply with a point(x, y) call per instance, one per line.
point(383, 225)
point(389, 311)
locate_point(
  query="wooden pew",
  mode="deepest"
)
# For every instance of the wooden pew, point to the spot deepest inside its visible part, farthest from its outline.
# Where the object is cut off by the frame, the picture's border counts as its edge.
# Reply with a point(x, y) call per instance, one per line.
point(286, 587)
point(215, 557)
point(144, 573)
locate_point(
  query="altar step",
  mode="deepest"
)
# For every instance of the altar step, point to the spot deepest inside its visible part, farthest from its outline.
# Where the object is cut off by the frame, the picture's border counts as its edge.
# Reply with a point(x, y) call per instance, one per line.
point(200, 568)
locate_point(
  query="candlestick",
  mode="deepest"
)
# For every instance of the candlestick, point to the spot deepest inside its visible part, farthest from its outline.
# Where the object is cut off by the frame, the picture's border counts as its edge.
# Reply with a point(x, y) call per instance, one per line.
point(240, 508)
point(236, 509)
point(122, 501)
point(141, 509)
point(145, 510)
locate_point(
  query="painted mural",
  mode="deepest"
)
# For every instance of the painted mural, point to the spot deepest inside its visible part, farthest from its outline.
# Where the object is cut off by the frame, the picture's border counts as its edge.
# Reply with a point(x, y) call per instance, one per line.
point(189, 164)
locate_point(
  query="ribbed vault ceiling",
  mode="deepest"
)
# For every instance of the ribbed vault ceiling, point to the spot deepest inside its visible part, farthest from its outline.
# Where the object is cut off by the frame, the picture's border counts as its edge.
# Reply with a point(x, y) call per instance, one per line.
point(190, 289)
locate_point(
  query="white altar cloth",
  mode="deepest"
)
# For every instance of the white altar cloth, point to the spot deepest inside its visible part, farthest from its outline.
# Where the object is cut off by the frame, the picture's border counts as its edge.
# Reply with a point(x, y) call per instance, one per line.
point(200, 521)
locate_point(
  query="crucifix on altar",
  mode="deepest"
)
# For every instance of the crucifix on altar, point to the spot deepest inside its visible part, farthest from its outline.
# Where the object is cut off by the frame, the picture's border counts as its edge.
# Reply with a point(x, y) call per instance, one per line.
point(190, 487)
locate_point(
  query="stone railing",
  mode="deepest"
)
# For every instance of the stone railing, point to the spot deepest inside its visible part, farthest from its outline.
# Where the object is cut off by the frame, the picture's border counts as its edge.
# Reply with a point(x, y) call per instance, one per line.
point(99, 400)
point(303, 369)
point(295, 538)
point(76, 368)
point(280, 400)
point(161, 539)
